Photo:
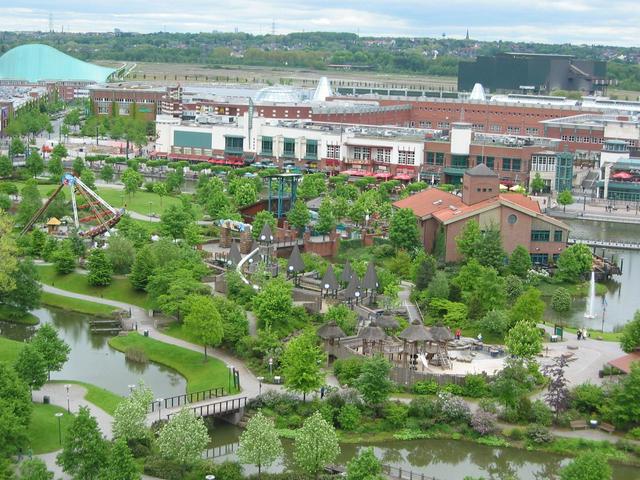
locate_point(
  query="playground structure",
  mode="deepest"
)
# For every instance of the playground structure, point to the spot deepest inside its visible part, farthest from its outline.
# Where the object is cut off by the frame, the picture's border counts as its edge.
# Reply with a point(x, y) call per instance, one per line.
point(98, 210)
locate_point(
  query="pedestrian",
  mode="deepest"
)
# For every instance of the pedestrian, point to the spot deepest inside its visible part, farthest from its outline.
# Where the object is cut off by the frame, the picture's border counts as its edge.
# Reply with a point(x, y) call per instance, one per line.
point(480, 337)
point(585, 334)
point(458, 334)
point(321, 392)
point(579, 334)
point(627, 207)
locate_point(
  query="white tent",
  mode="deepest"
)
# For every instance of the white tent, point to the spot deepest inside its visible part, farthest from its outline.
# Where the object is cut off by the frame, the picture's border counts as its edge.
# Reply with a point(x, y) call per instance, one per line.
point(323, 90)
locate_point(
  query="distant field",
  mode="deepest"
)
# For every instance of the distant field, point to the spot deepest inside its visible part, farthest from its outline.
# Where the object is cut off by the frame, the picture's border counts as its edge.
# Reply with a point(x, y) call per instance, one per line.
point(624, 94)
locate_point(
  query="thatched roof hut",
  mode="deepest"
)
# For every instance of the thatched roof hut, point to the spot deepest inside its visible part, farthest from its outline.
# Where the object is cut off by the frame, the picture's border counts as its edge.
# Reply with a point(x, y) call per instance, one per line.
point(416, 332)
point(387, 321)
point(330, 331)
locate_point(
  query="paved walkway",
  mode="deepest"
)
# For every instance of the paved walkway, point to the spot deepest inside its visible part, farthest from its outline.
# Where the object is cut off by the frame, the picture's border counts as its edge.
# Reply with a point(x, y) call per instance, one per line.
point(596, 211)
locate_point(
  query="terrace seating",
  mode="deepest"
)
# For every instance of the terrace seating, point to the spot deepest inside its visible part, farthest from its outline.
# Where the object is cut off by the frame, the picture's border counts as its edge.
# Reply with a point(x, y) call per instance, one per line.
point(578, 424)
point(607, 427)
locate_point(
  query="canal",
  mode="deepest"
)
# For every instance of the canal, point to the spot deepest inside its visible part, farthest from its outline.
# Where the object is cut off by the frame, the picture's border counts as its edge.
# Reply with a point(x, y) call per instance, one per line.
point(614, 309)
point(441, 459)
point(92, 360)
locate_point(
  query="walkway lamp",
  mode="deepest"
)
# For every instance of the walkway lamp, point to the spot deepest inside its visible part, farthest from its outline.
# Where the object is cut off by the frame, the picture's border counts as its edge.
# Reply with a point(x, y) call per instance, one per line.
point(270, 366)
point(67, 387)
point(260, 380)
point(210, 477)
point(131, 387)
point(230, 368)
point(59, 417)
point(159, 400)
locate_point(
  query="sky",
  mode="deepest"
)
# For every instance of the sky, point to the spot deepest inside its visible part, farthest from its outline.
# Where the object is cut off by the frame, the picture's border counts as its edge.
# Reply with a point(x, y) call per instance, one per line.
point(610, 22)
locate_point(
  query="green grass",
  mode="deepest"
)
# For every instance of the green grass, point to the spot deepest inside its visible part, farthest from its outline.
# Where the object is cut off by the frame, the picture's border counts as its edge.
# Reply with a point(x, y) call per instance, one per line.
point(140, 201)
point(43, 428)
point(200, 375)
point(100, 397)
point(12, 315)
point(593, 334)
point(119, 290)
point(80, 306)
point(178, 330)
point(9, 350)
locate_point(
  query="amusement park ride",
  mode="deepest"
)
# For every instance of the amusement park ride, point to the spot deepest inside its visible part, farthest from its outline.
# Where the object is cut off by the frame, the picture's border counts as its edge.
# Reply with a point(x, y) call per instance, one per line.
point(98, 209)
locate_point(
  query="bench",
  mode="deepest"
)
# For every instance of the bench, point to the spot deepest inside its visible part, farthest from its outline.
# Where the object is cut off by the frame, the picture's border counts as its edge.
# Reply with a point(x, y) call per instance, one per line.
point(575, 424)
point(607, 427)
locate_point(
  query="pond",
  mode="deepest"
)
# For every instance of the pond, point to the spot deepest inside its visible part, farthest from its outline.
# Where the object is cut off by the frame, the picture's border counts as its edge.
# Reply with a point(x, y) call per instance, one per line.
point(621, 300)
point(92, 360)
point(441, 459)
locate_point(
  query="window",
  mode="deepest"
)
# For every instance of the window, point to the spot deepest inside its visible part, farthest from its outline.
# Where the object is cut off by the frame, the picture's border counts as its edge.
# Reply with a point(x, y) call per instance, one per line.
point(512, 219)
point(495, 128)
point(267, 146)
point(513, 130)
point(540, 258)
point(443, 124)
point(435, 158)
point(557, 236)
point(459, 161)
point(312, 150)
point(289, 149)
point(478, 127)
point(539, 235)
point(511, 164)
point(103, 108)
point(555, 257)
point(406, 158)
point(362, 153)
point(383, 155)
point(532, 131)
point(488, 161)
point(333, 151)
point(233, 144)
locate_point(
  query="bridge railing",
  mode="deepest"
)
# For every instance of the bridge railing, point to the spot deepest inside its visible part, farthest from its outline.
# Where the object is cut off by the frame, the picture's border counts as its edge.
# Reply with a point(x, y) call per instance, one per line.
point(193, 397)
point(220, 451)
point(404, 474)
point(217, 408)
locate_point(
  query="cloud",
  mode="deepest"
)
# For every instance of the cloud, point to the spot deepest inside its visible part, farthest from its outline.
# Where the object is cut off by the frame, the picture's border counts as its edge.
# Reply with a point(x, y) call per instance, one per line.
point(616, 22)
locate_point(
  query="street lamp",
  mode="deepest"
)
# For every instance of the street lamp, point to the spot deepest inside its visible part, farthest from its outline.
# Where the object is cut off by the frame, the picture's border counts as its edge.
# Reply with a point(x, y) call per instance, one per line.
point(131, 387)
point(159, 400)
point(59, 417)
point(210, 477)
point(230, 368)
point(260, 380)
point(67, 387)
point(150, 210)
point(270, 366)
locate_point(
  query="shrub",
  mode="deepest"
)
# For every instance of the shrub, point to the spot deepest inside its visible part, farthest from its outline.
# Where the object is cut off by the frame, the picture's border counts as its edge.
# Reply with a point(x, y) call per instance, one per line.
point(348, 370)
point(538, 434)
point(541, 413)
point(453, 389)
point(488, 405)
point(516, 434)
point(349, 417)
point(395, 414)
point(587, 398)
point(635, 433)
point(452, 409)
point(426, 388)
point(339, 398)
point(328, 413)
point(484, 422)
point(422, 408)
point(475, 386)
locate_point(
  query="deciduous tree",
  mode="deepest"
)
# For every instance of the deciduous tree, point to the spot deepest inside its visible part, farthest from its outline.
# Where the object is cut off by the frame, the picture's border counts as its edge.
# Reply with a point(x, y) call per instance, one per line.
point(53, 349)
point(6, 166)
point(35, 469)
point(574, 263)
point(316, 445)
point(528, 306)
point(365, 466)
point(374, 384)
point(299, 216)
point(301, 364)
point(183, 438)
point(203, 320)
point(15, 411)
point(587, 466)
point(132, 180)
point(31, 367)
point(64, 258)
point(524, 340)
point(121, 254)
point(557, 395)
point(561, 300)
point(326, 218)
point(130, 417)
point(260, 444)
point(520, 262)
point(99, 267)
point(84, 450)
point(403, 230)
point(120, 464)
point(30, 202)
point(262, 217)
point(565, 198)
point(27, 291)
point(107, 173)
point(34, 163)
point(55, 168)
point(273, 303)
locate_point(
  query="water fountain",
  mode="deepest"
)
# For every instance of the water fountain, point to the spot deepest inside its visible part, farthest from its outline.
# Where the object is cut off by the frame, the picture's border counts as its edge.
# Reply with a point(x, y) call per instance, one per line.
point(592, 297)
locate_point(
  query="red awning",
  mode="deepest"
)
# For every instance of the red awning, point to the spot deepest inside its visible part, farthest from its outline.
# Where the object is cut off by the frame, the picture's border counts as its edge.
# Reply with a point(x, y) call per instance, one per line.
point(622, 176)
point(403, 176)
point(383, 175)
point(354, 173)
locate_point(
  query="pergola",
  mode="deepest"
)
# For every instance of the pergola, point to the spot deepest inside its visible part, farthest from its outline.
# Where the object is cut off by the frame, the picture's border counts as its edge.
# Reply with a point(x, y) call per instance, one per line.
point(372, 336)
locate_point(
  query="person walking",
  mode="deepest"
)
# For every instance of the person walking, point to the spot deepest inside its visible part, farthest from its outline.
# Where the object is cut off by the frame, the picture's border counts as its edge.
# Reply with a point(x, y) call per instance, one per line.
point(579, 334)
point(585, 334)
point(458, 334)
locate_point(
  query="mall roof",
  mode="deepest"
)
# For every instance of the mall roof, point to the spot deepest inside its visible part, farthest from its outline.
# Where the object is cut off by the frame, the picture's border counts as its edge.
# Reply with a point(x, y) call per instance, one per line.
point(36, 62)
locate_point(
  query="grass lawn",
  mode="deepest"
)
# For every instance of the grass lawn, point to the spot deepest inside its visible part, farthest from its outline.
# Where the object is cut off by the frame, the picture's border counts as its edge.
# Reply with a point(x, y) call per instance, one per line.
point(43, 429)
point(177, 330)
point(119, 290)
point(9, 314)
point(200, 375)
point(140, 201)
point(593, 334)
point(100, 397)
point(80, 306)
point(9, 350)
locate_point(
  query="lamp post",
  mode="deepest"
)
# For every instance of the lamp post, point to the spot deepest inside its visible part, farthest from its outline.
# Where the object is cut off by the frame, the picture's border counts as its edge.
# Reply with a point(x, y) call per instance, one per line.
point(260, 380)
point(150, 210)
point(270, 366)
point(131, 387)
point(59, 417)
point(210, 477)
point(67, 387)
point(230, 368)
point(159, 400)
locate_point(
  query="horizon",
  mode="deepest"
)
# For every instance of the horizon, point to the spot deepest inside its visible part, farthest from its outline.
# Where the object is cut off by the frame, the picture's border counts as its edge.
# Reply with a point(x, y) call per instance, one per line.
point(577, 22)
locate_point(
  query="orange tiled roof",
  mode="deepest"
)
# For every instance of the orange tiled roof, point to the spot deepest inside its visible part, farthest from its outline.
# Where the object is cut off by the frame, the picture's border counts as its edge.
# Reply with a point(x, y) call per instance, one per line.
point(521, 200)
point(624, 363)
point(428, 201)
point(450, 213)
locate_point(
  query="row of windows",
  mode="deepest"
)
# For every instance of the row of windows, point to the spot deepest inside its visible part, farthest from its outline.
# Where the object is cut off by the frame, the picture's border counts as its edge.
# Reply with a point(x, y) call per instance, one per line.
point(406, 157)
point(511, 164)
point(462, 161)
point(544, 235)
point(486, 112)
point(579, 139)
point(311, 149)
point(543, 258)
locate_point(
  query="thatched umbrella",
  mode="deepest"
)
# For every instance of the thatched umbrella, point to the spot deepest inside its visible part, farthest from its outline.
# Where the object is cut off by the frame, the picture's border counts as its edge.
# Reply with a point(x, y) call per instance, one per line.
point(387, 321)
point(329, 281)
point(295, 265)
point(370, 281)
point(353, 292)
point(414, 334)
point(372, 335)
point(347, 273)
point(330, 331)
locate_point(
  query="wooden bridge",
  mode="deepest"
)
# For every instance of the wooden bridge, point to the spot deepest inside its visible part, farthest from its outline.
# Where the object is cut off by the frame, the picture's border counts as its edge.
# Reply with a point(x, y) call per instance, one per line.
point(216, 409)
point(186, 398)
point(624, 245)
point(221, 451)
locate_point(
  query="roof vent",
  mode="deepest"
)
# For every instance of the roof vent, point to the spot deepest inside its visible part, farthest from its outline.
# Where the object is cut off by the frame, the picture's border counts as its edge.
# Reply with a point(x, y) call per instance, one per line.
point(437, 202)
point(453, 207)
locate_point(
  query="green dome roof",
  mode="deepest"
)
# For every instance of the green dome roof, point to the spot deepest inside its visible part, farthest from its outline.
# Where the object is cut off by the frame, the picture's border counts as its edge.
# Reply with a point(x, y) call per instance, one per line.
point(36, 62)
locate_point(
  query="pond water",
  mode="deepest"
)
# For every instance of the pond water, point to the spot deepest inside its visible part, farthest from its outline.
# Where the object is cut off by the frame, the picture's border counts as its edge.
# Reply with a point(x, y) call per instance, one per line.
point(621, 300)
point(441, 459)
point(92, 360)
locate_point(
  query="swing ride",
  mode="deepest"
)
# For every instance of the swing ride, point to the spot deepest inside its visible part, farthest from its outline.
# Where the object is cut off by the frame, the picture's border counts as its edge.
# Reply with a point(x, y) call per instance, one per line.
point(93, 208)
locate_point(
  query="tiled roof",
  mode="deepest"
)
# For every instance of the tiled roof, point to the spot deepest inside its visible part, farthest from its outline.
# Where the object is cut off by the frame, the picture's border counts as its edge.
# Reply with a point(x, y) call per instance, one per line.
point(481, 170)
point(624, 363)
point(522, 200)
point(429, 201)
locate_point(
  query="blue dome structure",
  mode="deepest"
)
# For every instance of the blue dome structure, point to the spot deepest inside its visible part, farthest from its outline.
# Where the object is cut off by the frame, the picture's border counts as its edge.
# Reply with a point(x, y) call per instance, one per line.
point(37, 62)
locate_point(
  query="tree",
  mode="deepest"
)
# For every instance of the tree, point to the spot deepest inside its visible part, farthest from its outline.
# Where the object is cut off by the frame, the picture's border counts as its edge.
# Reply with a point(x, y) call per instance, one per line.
point(27, 290)
point(234, 320)
point(346, 318)
point(468, 239)
point(482, 288)
point(183, 438)
point(121, 254)
point(520, 262)
point(524, 340)
point(403, 230)
point(374, 384)
point(489, 251)
point(587, 466)
point(107, 173)
point(8, 254)
point(16, 147)
point(557, 395)
point(5, 202)
point(301, 361)
point(120, 463)
point(15, 411)
point(425, 272)
point(561, 300)
point(273, 303)
point(30, 201)
point(514, 287)
point(53, 349)
point(313, 185)
point(260, 444)
point(326, 218)
point(55, 168)
point(169, 287)
point(142, 268)
point(84, 450)
point(537, 184)
point(35, 469)
point(565, 198)
point(60, 151)
point(161, 190)
point(34, 163)
point(299, 216)
point(245, 194)
point(622, 407)
point(630, 340)
point(31, 367)
point(262, 217)
point(100, 269)
point(130, 416)
point(78, 166)
point(175, 220)
point(131, 179)
point(6, 166)
point(64, 258)
point(574, 263)
point(528, 306)
point(513, 382)
point(365, 466)
point(315, 445)
point(203, 320)
point(88, 178)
